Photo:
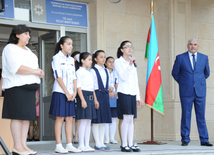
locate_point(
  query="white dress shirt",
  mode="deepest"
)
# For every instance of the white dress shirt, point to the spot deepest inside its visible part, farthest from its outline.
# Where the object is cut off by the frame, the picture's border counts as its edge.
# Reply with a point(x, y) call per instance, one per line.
point(102, 72)
point(13, 57)
point(63, 66)
point(191, 58)
point(84, 79)
point(127, 78)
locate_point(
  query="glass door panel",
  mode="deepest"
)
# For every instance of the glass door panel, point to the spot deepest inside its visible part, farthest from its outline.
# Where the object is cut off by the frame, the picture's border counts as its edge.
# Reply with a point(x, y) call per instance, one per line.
point(46, 51)
point(79, 41)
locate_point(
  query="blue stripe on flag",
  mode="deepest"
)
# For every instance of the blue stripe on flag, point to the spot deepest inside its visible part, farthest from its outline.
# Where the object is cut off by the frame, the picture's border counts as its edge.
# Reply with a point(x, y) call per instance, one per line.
point(153, 49)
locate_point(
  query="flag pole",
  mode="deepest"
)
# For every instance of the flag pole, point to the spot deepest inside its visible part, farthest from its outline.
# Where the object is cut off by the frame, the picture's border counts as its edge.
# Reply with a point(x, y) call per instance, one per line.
point(152, 136)
point(151, 8)
point(152, 142)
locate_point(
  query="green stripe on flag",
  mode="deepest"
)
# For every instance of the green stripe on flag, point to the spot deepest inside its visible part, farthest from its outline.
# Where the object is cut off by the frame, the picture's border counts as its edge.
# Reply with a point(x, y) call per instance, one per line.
point(158, 104)
point(147, 51)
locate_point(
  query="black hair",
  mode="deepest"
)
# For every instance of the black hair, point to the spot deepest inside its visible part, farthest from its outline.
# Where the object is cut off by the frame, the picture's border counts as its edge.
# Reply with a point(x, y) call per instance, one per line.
point(119, 52)
point(77, 64)
point(18, 29)
point(109, 57)
point(83, 56)
point(75, 53)
point(95, 56)
point(60, 42)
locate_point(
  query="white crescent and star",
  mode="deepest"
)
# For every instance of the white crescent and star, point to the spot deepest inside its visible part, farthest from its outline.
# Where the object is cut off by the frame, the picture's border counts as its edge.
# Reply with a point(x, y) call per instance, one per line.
point(156, 61)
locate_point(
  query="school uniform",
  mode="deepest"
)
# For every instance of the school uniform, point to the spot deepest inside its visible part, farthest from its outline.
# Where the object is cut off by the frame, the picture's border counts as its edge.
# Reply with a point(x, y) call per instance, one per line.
point(128, 89)
point(63, 66)
point(76, 68)
point(100, 79)
point(85, 82)
point(113, 79)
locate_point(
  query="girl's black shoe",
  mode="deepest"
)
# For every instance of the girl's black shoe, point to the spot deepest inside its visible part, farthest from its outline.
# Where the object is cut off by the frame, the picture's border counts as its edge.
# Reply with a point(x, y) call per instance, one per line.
point(126, 149)
point(135, 148)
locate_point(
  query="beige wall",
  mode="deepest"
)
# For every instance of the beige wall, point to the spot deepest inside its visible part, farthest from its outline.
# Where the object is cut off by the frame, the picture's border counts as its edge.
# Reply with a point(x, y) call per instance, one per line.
point(116, 22)
point(202, 23)
point(176, 22)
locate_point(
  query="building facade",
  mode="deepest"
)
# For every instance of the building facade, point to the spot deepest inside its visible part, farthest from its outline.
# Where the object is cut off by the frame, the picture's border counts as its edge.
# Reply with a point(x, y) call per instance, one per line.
point(111, 23)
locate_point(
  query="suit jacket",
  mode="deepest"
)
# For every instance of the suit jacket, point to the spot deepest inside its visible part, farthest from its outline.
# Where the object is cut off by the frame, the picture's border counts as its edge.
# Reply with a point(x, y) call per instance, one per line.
point(189, 79)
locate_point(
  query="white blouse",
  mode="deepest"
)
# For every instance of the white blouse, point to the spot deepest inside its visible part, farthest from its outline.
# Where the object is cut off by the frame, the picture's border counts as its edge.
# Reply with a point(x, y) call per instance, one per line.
point(113, 79)
point(84, 79)
point(64, 67)
point(127, 78)
point(13, 57)
point(102, 74)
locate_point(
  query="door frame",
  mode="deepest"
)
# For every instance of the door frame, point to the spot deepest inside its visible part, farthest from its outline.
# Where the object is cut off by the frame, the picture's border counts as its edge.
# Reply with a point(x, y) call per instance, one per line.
point(42, 99)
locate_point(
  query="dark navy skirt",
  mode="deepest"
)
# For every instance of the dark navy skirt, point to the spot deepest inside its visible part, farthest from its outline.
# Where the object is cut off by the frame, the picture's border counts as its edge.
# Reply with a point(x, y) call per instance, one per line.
point(89, 112)
point(114, 112)
point(113, 106)
point(75, 104)
point(60, 106)
point(104, 111)
point(20, 103)
point(126, 105)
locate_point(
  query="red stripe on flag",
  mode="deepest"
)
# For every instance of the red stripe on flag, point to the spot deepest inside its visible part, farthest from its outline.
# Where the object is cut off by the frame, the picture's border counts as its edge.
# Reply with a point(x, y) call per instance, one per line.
point(148, 37)
point(154, 83)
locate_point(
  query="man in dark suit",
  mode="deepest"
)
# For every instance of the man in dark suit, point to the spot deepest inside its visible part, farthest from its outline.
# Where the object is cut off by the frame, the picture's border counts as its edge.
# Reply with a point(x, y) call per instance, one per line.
point(190, 70)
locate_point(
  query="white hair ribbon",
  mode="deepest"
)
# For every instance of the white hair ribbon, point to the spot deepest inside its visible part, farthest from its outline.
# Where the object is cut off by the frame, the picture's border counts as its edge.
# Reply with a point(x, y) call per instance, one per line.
point(78, 57)
point(95, 51)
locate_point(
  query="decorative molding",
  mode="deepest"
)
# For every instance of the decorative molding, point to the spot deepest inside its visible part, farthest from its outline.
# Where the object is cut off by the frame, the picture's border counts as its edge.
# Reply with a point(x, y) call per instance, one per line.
point(115, 1)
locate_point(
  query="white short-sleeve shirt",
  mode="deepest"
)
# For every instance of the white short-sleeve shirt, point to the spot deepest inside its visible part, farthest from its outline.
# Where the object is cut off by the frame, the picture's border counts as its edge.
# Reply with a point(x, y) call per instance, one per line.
point(63, 66)
point(127, 78)
point(13, 57)
point(84, 79)
point(113, 79)
point(102, 74)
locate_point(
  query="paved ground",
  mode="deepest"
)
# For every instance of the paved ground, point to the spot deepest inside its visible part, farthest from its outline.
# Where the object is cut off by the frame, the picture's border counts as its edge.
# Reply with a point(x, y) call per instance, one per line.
point(171, 148)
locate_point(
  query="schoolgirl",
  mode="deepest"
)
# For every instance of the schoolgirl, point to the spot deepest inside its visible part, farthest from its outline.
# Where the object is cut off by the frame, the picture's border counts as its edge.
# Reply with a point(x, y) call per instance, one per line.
point(128, 94)
point(86, 101)
point(100, 80)
point(109, 64)
point(64, 93)
point(76, 56)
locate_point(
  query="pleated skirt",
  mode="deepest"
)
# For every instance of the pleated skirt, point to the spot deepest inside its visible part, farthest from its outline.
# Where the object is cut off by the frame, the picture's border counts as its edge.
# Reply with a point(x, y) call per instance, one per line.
point(114, 112)
point(104, 111)
point(126, 105)
point(60, 106)
point(89, 112)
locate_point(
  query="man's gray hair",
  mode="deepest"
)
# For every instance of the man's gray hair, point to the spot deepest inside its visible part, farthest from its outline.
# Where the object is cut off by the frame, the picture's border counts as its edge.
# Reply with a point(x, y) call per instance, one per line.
point(193, 39)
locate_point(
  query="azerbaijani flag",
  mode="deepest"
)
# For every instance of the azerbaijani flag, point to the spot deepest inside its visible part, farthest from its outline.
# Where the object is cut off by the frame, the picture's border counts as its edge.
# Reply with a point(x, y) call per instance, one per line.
point(154, 94)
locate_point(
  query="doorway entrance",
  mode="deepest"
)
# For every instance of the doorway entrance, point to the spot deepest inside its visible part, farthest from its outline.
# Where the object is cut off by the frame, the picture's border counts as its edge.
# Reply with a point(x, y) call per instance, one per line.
point(46, 52)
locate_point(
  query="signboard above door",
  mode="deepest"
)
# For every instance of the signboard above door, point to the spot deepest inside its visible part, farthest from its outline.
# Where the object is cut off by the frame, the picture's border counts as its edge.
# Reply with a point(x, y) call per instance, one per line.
point(59, 12)
point(8, 10)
